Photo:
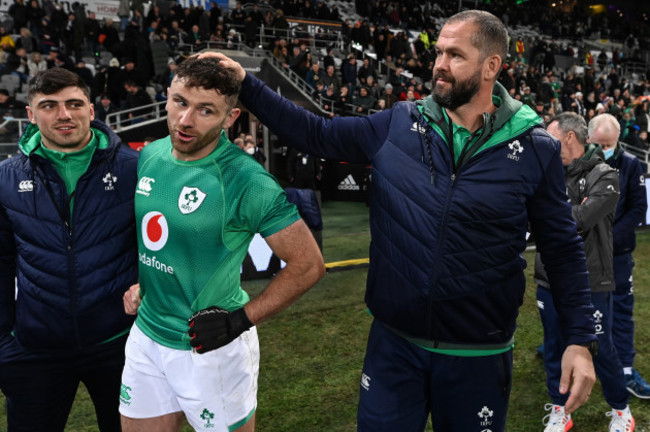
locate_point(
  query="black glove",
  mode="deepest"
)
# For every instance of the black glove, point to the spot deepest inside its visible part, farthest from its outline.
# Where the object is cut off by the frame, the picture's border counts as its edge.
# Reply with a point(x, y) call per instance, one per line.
point(213, 327)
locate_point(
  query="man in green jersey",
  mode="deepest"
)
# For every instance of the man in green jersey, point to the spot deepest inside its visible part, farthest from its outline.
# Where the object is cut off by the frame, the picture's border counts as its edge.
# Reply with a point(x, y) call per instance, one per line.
point(199, 201)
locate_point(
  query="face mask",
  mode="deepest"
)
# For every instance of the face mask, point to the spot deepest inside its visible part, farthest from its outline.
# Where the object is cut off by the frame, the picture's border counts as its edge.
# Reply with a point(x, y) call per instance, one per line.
point(608, 153)
point(250, 150)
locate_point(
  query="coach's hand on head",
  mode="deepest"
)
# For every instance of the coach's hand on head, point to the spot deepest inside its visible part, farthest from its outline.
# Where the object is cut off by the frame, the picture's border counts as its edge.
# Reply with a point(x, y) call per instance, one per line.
point(226, 62)
point(213, 327)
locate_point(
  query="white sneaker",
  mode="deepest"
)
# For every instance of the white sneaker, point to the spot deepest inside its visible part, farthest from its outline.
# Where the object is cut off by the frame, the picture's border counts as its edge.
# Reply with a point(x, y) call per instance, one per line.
point(622, 421)
point(557, 420)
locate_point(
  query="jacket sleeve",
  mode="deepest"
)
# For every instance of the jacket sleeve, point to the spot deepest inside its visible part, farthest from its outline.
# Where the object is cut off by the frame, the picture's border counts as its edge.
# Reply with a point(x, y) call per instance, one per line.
point(7, 277)
point(634, 208)
point(562, 252)
point(601, 197)
point(352, 139)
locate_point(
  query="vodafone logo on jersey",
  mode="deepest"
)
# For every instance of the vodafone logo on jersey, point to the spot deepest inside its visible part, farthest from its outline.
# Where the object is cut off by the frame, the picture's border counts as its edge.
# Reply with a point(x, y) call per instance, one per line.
point(154, 230)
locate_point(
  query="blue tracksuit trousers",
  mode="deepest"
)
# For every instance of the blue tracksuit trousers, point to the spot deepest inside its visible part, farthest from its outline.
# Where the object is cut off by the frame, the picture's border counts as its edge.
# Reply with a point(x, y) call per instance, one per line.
point(606, 362)
point(402, 384)
point(623, 327)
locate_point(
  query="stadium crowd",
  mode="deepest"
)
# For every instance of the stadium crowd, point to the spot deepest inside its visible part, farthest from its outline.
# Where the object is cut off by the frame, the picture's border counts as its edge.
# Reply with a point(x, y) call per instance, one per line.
point(383, 57)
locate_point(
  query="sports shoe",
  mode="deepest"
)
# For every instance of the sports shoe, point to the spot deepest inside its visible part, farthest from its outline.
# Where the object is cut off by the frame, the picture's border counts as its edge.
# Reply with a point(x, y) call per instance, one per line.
point(637, 386)
point(622, 421)
point(557, 420)
point(540, 351)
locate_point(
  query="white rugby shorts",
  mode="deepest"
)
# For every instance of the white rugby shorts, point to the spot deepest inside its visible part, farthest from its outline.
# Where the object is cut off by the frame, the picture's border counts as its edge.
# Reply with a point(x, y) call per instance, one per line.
point(217, 390)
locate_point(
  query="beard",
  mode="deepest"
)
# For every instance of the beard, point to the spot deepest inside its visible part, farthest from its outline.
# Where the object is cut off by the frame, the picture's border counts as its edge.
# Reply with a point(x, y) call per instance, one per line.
point(461, 92)
point(196, 146)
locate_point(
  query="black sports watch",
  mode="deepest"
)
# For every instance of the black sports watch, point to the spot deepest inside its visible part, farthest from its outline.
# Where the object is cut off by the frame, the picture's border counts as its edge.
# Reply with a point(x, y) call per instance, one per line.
point(592, 346)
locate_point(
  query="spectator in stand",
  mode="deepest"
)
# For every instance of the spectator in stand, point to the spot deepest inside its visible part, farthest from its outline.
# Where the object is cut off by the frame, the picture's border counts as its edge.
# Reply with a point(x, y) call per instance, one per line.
point(131, 73)
point(379, 44)
point(329, 59)
point(250, 30)
point(373, 87)
point(313, 75)
point(574, 103)
point(330, 99)
point(626, 122)
point(36, 64)
point(508, 79)
point(365, 71)
point(398, 80)
point(27, 40)
point(85, 74)
point(252, 149)
point(137, 97)
point(35, 14)
point(91, 33)
point(364, 102)
point(108, 37)
point(7, 44)
point(322, 11)
point(349, 73)
point(319, 92)
point(18, 11)
point(238, 16)
point(280, 24)
point(296, 61)
point(409, 94)
point(602, 60)
point(380, 105)
point(16, 64)
point(9, 105)
point(330, 79)
point(389, 96)
point(527, 98)
point(104, 108)
point(343, 102)
point(73, 36)
point(641, 115)
point(256, 15)
point(195, 36)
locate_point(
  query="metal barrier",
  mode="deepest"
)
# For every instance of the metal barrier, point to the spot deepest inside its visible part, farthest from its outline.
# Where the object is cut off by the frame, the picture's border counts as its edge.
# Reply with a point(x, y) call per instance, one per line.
point(125, 120)
point(266, 36)
point(642, 154)
point(11, 129)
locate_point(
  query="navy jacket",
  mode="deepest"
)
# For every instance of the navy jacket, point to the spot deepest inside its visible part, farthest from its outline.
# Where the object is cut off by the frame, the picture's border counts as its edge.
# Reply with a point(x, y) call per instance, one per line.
point(633, 202)
point(446, 260)
point(70, 281)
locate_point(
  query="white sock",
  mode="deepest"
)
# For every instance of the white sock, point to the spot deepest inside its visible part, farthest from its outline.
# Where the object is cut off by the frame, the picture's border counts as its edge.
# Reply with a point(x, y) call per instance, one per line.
point(627, 370)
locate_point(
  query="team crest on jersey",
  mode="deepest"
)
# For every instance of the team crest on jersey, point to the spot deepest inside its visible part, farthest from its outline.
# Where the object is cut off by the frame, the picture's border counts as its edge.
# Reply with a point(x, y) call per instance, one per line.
point(190, 199)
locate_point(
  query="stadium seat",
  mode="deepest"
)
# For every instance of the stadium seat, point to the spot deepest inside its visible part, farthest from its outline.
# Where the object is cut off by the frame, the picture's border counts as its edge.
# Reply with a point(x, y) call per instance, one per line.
point(12, 82)
point(21, 97)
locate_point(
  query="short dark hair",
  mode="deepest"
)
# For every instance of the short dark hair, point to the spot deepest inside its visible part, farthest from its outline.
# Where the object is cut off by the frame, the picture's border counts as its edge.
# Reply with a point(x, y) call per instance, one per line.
point(209, 74)
point(491, 37)
point(53, 80)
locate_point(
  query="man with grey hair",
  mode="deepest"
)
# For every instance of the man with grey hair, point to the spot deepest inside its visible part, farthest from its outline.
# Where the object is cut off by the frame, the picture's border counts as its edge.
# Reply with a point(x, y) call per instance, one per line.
point(630, 212)
point(592, 187)
point(446, 278)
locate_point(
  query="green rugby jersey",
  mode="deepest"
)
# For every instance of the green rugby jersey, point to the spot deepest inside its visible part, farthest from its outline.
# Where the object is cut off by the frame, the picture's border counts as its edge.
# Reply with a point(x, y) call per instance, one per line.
point(195, 222)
